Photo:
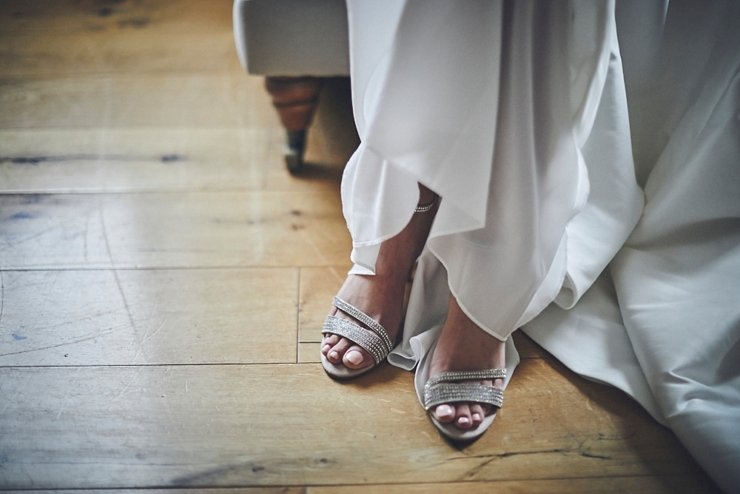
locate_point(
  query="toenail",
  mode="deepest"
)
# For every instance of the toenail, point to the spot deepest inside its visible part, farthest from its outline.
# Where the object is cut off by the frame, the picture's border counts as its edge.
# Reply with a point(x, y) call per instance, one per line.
point(476, 416)
point(445, 410)
point(354, 357)
point(463, 421)
point(326, 348)
point(334, 355)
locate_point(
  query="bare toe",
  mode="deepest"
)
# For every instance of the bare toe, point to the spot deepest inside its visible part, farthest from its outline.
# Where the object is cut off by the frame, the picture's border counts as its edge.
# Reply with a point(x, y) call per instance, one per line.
point(462, 346)
point(476, 413)
point(444, 413)
point(463, 419)
point(328, 342)
point(356, 357)
point(337, 351)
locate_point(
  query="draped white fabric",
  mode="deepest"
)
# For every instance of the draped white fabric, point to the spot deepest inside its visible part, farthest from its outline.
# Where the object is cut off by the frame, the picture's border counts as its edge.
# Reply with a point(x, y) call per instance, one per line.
point(589, 169)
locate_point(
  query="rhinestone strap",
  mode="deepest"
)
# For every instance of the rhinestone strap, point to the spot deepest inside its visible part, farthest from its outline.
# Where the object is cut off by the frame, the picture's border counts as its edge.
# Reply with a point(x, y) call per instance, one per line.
point(447, 388)
point(368, 321)
point(477, 375)
point(359, 335)
point(457, 392)
point(425, 208)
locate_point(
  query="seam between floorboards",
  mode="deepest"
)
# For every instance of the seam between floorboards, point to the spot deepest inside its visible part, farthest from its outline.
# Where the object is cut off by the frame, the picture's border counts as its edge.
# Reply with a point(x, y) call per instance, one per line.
point(308, 486)
point(209, 364)
point(298, 315)
point(164, 268)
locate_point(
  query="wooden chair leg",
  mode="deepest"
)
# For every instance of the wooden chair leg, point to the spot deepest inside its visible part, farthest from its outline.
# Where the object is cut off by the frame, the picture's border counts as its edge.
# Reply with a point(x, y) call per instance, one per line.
point(295, 99)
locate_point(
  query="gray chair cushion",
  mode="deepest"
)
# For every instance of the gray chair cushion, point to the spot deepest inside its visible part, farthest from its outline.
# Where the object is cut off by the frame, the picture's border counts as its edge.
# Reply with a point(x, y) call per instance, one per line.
point(292, 37)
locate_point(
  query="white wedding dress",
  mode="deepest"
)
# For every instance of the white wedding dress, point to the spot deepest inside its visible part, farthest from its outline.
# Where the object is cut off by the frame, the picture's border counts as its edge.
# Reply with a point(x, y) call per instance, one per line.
point(589, 167)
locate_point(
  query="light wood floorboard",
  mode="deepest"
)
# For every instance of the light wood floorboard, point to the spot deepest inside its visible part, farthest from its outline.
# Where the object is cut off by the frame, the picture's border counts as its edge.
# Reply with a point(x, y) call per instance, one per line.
point(163, 281)
point(249, 228)
point(106, 317)
point(193, 490)
point(138, 426)
point(604, 485)
point(135, 159)
point(198, 99)
point(164, 17)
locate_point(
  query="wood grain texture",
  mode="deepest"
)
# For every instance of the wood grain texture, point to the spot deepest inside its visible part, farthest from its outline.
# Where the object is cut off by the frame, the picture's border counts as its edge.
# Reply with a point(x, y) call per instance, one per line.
point(209, 229)
point(194, 490)
point(95, 37)
point(132, 49)
point(104, 317)
point(165, 160)
point(132, 159)
point(161, 274)
point(309, 352)
point(198, 99)
point(317, 287)
point(607, 485)
point(18, 17)
point(254, 425)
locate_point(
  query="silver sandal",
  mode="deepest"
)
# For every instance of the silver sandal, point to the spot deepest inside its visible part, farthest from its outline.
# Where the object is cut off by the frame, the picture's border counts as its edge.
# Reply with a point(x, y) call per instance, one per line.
point(448, 387)
point(372, 337)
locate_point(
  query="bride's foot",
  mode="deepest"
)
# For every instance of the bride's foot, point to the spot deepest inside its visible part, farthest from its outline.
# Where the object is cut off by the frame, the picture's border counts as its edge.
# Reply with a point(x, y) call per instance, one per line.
point(381, 296)
point(463, 346)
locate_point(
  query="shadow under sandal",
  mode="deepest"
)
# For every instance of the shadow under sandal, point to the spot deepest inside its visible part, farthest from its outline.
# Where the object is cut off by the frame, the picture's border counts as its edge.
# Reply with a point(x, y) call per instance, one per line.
point(373, 338)
point(448, 387)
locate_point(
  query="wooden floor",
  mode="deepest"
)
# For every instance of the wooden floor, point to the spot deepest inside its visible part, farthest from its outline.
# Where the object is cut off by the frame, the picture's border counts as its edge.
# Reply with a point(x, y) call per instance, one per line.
point(163, 282)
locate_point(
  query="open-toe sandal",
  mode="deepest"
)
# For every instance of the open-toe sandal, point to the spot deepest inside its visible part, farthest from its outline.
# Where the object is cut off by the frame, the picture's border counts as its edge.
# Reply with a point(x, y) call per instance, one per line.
point(454, 387)
point(372, 337)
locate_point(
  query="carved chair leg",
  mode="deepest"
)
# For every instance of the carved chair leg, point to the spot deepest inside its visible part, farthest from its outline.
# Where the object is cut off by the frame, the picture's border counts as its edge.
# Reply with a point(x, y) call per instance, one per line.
point(295, 99)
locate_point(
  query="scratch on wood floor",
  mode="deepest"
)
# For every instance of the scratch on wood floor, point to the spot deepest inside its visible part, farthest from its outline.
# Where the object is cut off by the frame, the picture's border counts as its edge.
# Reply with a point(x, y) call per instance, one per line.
point(313, 245)
point(2, 298)
point(65, 403)
point(148, 335)
point(487, 459)
point(473, 472)
point(84, 238)
point(33, 236)
point(127, 385)
point(586, 454)
point(72, 342)
point(139, 342)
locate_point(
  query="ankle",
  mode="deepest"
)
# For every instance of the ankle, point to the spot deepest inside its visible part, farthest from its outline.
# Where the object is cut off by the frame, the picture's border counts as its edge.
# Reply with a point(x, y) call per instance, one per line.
point(425, 195)
point(388, 277)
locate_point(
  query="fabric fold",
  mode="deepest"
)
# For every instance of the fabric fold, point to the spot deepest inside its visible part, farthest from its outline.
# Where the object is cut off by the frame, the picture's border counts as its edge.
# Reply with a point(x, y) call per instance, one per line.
point(492, 106)
point(588, 164)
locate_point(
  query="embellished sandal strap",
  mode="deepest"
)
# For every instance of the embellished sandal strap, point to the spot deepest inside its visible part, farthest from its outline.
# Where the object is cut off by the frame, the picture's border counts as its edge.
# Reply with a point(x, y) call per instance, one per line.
point(457, 392)
point(368, 340)
point(458, 376)
point(368, 321)
point(448, 387)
